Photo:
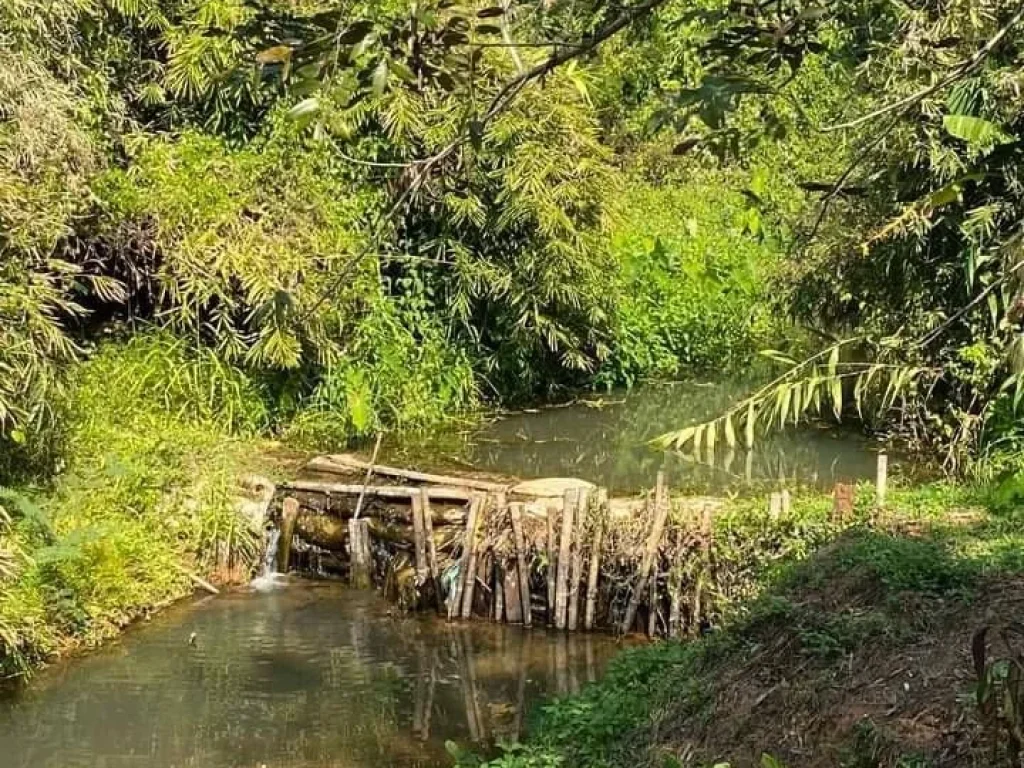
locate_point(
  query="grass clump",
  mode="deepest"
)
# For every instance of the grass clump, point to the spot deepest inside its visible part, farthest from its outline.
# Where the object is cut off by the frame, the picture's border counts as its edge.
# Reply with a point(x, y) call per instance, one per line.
point(157, 438)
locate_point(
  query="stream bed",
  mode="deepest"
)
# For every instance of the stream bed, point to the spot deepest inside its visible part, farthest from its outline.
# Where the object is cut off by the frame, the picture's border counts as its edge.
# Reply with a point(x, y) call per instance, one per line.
point(311, 675)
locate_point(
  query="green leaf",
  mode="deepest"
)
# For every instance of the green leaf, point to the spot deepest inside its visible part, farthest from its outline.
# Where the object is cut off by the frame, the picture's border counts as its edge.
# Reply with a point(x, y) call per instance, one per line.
point(750, 425)
point(730, 432)
point(974, 130)
point(380, 76)
point(304, 109)
point(836, 393)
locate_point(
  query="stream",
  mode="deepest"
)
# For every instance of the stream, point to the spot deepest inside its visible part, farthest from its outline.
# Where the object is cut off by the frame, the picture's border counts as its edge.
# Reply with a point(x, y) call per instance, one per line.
point(310, 674)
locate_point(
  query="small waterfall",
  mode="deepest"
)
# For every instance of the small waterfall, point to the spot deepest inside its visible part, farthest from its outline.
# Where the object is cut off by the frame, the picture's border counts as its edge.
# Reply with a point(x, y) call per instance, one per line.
point(268, 574)
point(270, 556)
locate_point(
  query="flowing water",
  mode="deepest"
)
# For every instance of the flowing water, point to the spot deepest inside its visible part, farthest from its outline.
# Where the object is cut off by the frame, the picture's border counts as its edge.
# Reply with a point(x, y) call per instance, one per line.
point(312, 675)
point(605, 439)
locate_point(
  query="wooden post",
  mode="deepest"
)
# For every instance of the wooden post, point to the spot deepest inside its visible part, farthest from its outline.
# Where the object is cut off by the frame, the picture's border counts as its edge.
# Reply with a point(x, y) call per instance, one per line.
point(552, 565)
point(513, 599)
point(576, 572)
point(569, 502)
point(842, 502)
point(787, 501)
point(881, 479)
point(601, 508)
point(470, 583)
point(661, 510)
point(361, 554)
point(419, 541)
point(775, 506)
point(499, 592)
point(289, 514)
point(455, 603)
point(428, 529)
point(516, 513)
point(652, 605)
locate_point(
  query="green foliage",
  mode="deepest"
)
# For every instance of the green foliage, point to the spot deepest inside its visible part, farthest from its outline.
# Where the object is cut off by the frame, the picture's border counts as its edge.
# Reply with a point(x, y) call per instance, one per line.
point(150, 493)
point(693, 295)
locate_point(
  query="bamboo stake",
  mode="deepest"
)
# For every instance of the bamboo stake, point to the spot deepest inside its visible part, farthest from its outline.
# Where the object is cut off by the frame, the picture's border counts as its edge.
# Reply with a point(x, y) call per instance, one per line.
point(661, 509)
point(455, 604)
point(595, 559)
point(361, 556)
point(652, 604)
point(369, 473)
point(569, 502)
point(552, 565)
point(516, 514)
point(576, 575)
point(428, 526)
point(419, 542)
point(881, 480)
point(470, 583)
point(499, 592)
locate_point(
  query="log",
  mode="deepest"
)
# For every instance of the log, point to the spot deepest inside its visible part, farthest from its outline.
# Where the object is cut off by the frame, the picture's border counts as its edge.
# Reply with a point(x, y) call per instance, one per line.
point(438, 492)
point(361, 554)
point(552, 567)
point(522, 569)
point(346, 465)
point(595, 559)
point(661, 510)
point(569, 504)
point(576, 570)
point(432, 565)
point(289, 514)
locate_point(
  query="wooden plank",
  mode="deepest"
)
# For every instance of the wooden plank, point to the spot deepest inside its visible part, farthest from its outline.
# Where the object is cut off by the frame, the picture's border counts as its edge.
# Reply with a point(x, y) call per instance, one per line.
point(569, 503)
point(513, 598)
point(576, 570)
point(437, 492)
point(346, 464)
point(661, 510)
point(595, 559)
point(522, 569)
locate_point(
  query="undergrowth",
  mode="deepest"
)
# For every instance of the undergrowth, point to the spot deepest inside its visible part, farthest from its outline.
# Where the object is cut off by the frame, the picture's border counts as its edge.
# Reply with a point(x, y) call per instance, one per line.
point(157, 440)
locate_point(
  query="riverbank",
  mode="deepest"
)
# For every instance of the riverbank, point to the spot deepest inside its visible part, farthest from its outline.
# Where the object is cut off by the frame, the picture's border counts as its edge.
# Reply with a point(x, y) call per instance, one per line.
point(855, 651)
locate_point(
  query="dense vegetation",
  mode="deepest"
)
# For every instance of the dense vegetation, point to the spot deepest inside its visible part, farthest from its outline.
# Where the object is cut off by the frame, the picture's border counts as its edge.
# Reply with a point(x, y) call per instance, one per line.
point(229, 221)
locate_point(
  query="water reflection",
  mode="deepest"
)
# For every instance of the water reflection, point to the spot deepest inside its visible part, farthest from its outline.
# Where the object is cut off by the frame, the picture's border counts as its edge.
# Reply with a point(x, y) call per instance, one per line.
point(314, 675)
point(603, 439)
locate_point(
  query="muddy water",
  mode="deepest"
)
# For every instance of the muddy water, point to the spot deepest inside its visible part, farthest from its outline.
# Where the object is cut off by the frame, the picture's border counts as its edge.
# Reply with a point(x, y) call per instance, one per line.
point(311, 675)
point(605, 439)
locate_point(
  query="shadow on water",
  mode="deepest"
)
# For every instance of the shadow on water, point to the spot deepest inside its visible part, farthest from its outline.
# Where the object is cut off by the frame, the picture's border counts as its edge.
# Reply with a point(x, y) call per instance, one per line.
point(311, 675)
point(604, 439)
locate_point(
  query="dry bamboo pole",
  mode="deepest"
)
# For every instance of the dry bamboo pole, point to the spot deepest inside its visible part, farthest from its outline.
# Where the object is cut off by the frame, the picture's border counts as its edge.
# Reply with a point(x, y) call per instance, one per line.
point(499, 592)
point(368, 475)
point(289, 514)
point(469, 584)
point(428, 526)
point(344, 465)
point(516, 515)
point(652, 604)
point(455, 604)
point(576, 573)
point(601, 507)
point(419, 541)
point(661, 509)
point(569, 502)
point(437, 492)
point(881, 480)
point(513, 600)
point(552, 566)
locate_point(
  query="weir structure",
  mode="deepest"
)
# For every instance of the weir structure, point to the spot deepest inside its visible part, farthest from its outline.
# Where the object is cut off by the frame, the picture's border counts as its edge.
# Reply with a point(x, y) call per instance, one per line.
point(557, 552)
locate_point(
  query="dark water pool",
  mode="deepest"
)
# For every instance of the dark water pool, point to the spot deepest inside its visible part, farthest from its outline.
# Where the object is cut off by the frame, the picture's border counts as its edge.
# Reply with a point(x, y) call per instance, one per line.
point(311, 675)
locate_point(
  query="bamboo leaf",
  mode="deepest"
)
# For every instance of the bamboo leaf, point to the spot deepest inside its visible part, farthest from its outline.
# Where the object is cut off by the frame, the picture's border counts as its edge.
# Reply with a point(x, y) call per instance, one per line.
point(730, 432)
point(836, 393)
point(750, 425)
point(833, 361)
